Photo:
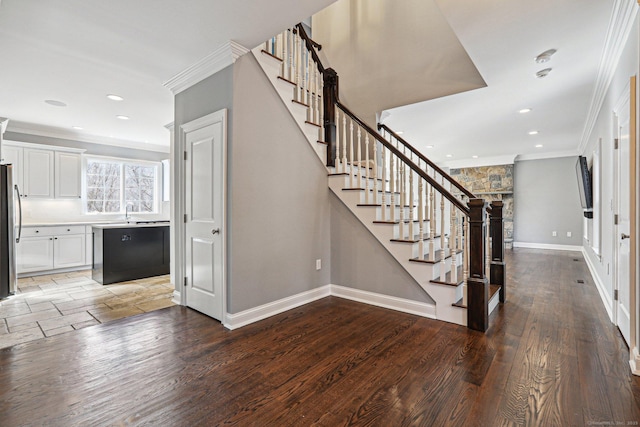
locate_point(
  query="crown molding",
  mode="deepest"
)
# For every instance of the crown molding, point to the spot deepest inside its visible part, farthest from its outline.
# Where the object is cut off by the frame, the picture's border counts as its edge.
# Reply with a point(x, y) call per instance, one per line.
point(622, 19)
point(217, 60)
point(480, 162)
point(547, 155)
point(3, 123)
point(25, 128)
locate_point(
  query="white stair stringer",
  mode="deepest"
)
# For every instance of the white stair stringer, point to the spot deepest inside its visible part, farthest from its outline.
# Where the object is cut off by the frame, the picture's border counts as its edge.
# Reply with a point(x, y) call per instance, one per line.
point(443, 295)
point(271, 67)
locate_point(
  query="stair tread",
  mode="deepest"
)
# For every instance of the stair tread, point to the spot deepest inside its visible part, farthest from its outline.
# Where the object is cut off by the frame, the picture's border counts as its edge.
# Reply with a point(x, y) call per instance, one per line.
point(311, 123)
point(438, 257)
point(493, 289)
point(322, 142)
point(406, 221)
point(447, 278)
point(299, 103)
point(286, 80)
point(415, 239)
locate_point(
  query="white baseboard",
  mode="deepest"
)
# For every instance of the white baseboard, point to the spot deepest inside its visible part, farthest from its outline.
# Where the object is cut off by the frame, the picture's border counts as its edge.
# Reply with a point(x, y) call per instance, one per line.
point(604, 296)
point(634, 361)
point(385, 301)
point(547, 246)
point(177, 298)
point(243, 318)
point(246, 317)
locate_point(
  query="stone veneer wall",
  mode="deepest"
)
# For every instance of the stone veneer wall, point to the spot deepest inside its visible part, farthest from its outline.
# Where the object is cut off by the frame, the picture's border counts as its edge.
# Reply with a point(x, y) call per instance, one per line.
point(491, 183)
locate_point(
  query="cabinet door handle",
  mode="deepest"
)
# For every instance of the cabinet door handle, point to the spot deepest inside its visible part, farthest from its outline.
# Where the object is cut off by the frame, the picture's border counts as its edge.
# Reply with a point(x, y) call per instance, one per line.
point(215, 231)
point(50, 238)
point(68, 229)
point(37, 231)
point(55, 238)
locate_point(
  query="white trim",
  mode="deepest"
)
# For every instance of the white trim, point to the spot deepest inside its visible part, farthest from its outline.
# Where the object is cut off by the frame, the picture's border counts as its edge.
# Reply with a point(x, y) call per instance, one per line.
point(217, 60)
point(634, 361)
point(620, 24)
point(246, 317)
point(547, 246)
point(177, 298)
point(12, 143)
point(385, 301)
point(3, 124)
point(604, 296)
point(243, 318)
point(548, 155)
point(476, 163)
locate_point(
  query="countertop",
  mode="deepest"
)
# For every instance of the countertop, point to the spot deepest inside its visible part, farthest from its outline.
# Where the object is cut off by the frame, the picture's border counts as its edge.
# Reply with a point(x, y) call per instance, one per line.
point(116, 223)
point(140, 224)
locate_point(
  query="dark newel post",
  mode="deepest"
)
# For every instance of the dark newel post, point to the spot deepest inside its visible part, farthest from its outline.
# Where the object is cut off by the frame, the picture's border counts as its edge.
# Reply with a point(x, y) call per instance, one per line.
point(330, 95)
point(497, 271)
point(477, 283)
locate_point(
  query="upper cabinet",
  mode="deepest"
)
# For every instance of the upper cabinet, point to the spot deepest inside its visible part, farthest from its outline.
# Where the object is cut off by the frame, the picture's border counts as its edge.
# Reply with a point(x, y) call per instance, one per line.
point(38, 173)
point(68, 181)
point(45, 172)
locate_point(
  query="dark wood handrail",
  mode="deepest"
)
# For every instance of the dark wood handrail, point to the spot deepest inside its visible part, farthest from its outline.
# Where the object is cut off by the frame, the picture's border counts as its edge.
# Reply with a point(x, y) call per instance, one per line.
point(406, 160)
point(448, 177)
point(310, 46)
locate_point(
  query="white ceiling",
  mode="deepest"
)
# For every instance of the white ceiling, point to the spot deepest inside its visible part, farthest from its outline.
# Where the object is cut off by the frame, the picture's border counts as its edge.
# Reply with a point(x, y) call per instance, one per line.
point(78, 51)
point(399, 53)
point(502, 38)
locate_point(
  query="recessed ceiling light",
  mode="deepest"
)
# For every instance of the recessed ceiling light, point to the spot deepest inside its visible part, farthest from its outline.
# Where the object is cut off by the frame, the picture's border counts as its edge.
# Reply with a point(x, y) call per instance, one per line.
point(538, 145)
point(77, 127)
point(123, 117)
point(55, 103)
point(429, 146)
point(115, 97)
point(533, 132)
point(474, 157)
point(543, 73)
point(545, 56)
point(524, 110)
point(449, 155)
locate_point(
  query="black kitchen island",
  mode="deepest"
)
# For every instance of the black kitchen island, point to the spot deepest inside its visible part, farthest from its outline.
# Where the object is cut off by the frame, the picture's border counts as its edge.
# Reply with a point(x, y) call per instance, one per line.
point(124, 252)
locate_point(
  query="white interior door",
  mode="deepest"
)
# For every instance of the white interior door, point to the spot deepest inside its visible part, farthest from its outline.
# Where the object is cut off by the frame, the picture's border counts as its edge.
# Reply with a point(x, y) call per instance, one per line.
point(622, 241)
point(205, 145)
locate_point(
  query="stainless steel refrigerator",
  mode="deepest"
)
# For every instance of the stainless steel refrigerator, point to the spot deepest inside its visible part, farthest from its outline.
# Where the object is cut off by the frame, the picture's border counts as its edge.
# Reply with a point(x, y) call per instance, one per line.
point(10, 210)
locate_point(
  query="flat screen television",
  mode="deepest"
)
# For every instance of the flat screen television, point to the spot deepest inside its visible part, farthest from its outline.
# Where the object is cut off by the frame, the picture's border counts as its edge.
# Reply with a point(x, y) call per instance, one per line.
point(584, 186)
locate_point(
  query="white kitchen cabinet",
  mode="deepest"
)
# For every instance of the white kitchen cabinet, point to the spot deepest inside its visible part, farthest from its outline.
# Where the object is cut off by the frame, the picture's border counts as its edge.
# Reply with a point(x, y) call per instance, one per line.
point(67, 167)
point(14, 156)
point(88, 258)
point(35, 254)
point(38, 173)
point(48, 248)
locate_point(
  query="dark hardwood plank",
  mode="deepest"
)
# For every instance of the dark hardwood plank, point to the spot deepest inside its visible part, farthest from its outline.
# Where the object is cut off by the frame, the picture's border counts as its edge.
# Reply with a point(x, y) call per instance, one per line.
point(550, 357)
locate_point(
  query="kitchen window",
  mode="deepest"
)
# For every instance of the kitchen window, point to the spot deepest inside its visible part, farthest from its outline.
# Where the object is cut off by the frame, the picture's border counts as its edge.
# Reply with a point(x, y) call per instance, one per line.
point(113, 185)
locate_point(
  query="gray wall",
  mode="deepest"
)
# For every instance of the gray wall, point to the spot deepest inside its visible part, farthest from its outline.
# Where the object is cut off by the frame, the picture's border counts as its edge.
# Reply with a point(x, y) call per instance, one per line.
point(546, 199)
point(278, 197)
point(95, 149)
point(359, 261)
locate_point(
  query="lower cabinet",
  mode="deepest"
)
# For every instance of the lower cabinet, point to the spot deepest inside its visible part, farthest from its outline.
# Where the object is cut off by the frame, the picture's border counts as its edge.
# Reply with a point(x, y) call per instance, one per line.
point(49, 248)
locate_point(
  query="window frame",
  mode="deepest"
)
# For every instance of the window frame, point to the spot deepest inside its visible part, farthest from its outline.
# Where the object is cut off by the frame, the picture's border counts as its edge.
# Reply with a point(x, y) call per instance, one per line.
point(157, 194)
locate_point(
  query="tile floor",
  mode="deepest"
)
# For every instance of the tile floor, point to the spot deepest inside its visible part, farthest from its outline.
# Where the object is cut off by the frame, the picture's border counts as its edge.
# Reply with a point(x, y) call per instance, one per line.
point(58, 303)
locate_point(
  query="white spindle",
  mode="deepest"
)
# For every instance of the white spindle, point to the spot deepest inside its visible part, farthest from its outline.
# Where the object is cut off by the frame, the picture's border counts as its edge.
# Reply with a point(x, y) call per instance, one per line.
point(443, 222)
point(402, 184)
point(337, 161)
point(452, 246)
point(460, 241)
point(366, 169)
point(344, 143)
point(321, 107)
point(290, 50)
point(375, 171)
point(432, 223)
point(420, 217)
point(392, 187)
point(384, 184)
point(359, 169)
point(412, 231)
point(351, 170)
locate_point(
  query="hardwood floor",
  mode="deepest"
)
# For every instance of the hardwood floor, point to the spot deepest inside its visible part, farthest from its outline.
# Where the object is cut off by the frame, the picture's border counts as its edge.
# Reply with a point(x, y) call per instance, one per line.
point(550, 358)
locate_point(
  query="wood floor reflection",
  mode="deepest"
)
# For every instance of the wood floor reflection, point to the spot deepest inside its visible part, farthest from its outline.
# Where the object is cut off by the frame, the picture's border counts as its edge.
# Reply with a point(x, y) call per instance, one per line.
point(550, 358)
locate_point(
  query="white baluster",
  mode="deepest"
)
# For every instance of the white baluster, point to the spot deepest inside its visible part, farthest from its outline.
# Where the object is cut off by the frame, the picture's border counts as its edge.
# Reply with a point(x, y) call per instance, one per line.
point(384, 184)
point(288, 44)
point(359, 169)
point(432, 224)
point(420, 217)
point(337, 161)
point(443, 223)
point(401, 185)
point(321, 108)
point(344, 143)
point(392, 187)
point(366, 170)
point(351, 170)
point(487, 250)
point(412, 232)
point(375, 171)
point(452, 245)
point(460, 241)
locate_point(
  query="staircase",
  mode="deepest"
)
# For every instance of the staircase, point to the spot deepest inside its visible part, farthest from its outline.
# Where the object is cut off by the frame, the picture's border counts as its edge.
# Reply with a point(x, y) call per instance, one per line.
point(438, 231)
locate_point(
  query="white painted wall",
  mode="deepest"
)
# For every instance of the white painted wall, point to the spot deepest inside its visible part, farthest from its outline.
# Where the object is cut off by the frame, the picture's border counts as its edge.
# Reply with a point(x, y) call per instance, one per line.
point(602, 264)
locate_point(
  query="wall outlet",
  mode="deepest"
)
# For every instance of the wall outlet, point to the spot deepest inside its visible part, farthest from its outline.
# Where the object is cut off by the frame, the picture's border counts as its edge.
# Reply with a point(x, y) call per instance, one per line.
point(568, 234)
point(554, 233)
point(318, 264)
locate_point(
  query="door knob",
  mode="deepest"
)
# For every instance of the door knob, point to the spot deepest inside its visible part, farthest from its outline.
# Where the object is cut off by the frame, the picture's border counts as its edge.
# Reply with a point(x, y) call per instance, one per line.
point(215, 231)
point(624, 236)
